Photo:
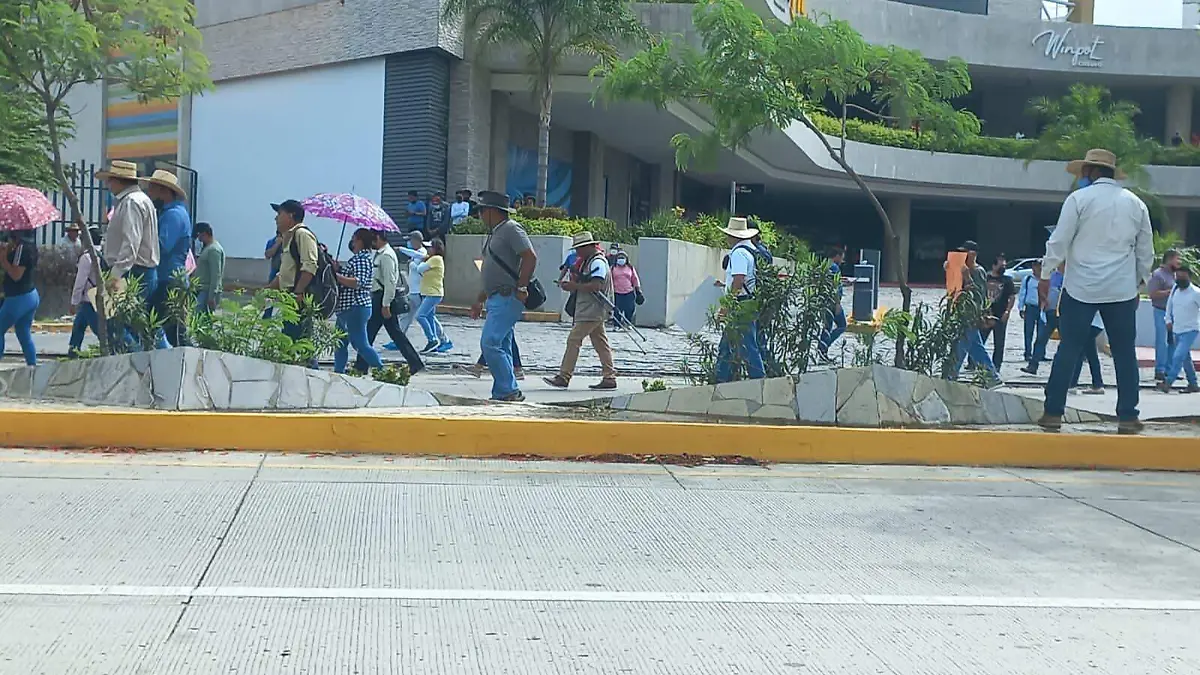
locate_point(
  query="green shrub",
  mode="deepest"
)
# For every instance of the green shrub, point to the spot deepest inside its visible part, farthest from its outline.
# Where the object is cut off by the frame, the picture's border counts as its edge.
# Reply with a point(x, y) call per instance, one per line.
point(706, 230)
point(986, 146)
point(393, 374)
point(653, 385)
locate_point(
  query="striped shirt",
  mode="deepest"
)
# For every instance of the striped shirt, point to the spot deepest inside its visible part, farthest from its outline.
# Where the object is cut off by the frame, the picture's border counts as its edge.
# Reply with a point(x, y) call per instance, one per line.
point(361, 267)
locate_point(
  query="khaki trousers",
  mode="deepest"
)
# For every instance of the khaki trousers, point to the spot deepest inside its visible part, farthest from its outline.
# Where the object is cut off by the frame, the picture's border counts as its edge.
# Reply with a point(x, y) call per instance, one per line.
point(595, 331)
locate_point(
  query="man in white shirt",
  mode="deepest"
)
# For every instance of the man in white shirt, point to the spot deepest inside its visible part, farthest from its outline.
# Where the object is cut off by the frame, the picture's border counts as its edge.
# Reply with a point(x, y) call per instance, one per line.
point(1183, 317)
point(131, 241)
point(1104, 237)
point(740, 282)
point(461, 208)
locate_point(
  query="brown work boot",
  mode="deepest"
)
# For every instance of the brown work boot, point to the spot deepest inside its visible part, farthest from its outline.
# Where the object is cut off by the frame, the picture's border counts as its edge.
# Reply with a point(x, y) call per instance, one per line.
point(1192, 389)
point(1163, 387)
point(1050, 422)
point(606, 383)
point(558, 382)
point(1133, 426)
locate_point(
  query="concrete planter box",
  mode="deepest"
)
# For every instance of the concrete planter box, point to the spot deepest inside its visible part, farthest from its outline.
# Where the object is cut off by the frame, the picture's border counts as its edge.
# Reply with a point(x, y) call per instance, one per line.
point(670, 270)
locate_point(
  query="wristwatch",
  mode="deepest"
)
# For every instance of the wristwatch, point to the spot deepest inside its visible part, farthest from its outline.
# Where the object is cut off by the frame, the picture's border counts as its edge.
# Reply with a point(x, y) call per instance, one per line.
point(522, 289)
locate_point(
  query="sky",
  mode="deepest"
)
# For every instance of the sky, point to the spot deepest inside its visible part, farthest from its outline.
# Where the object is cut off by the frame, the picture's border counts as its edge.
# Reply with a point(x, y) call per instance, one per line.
point(1146, 13)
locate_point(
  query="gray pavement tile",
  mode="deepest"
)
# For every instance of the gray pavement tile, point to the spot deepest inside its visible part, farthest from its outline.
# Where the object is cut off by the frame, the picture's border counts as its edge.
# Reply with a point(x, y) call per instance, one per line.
point(1179, 521)
point(70, 531)
point(208, 467)
point(269, 637)
point(46, 635)
point(562, 537)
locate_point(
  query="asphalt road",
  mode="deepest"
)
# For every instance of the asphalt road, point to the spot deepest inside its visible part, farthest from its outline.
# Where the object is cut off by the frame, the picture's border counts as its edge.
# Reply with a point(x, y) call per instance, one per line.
point(248, 563)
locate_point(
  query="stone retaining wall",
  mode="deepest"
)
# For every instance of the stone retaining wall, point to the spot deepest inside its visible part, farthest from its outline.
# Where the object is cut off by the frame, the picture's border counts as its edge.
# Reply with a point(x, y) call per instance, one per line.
point(197, 379)
point(879, 396)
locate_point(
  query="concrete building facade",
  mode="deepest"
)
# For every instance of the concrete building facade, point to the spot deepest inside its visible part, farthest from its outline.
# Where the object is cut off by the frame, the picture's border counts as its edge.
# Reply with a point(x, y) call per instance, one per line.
point(380, 97)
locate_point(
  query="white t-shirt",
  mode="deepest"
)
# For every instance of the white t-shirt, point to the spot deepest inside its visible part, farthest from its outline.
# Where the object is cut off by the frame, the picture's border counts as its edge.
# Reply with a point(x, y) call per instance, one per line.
point(741, 261)
point(1183, 309)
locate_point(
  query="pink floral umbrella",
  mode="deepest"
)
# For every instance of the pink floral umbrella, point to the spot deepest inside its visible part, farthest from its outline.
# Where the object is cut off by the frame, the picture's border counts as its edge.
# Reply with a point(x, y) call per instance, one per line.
point(23, 208)
point(350, 209)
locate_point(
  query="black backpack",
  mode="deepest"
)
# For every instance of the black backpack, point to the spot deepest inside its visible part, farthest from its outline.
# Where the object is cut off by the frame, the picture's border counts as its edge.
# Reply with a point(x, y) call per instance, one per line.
point(323, 288)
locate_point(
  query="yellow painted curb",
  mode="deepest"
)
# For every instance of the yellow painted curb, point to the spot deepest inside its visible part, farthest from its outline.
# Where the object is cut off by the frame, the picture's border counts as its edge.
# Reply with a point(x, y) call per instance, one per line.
point(565, 439)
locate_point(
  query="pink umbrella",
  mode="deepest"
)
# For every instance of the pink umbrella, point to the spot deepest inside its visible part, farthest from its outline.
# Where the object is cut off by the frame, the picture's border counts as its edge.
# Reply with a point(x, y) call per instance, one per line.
point(23, 208)
point(349, 208)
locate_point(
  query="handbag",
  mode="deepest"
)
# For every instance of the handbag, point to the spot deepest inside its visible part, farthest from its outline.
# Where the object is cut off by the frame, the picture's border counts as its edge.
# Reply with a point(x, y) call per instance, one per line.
point(537, 294)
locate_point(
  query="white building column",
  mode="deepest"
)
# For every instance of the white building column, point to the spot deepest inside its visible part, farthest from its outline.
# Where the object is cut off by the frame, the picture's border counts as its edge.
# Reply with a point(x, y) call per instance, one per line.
point(1179, 112)
point(899, 210)
point(498, 166)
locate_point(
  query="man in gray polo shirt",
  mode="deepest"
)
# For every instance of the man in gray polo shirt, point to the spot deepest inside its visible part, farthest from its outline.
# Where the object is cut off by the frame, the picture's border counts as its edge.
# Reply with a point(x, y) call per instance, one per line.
point(508, 265)
point(1161, 283)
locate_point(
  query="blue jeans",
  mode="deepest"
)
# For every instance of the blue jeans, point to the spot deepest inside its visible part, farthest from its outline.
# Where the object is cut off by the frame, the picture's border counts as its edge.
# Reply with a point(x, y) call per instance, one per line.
point(835, 320)
point(414, 303)
point(1075, 329)
point(972, 346)
point(427, 317)
point(202, 303)
point(353, 322)
point(748, 354)
point(149, 281)
point(1181, 358)
point(1093, 359)
point(1162, 347)
point(85, 318)
point(1035, 325)
point(503, 313)
point(17, 313)
point(516, 355)
point(626, 304)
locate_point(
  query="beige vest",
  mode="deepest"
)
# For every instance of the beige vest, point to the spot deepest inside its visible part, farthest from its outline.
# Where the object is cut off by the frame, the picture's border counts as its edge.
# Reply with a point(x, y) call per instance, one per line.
point(587, 306)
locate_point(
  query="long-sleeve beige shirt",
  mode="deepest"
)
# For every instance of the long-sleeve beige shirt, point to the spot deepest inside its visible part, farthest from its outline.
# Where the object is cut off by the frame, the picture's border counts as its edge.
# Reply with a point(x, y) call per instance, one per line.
point(387, 274)
point(132, 236)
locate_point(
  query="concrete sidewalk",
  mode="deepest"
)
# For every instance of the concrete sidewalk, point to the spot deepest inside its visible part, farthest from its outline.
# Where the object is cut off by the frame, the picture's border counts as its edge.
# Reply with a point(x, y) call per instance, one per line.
point(264, 564)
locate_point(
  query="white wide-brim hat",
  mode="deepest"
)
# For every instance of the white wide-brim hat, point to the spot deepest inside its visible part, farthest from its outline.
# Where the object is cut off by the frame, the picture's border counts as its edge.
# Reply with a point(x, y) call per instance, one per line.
point(739, 228)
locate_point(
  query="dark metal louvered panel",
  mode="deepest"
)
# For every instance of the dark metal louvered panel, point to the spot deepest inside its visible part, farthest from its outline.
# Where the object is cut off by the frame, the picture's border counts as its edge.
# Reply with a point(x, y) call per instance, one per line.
point(416, 117)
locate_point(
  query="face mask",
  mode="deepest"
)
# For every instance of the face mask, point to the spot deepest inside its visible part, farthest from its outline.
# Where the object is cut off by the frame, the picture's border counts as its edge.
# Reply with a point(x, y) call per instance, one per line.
point(621, 261)
point(1183, 283)
point(1084, 181)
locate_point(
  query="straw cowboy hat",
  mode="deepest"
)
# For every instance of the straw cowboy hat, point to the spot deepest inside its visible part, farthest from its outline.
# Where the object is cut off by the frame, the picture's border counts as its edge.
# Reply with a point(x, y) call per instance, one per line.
point(1096, 157)
point(584, 238)
point(739, 228)
point(167, 180)
point(119, 169)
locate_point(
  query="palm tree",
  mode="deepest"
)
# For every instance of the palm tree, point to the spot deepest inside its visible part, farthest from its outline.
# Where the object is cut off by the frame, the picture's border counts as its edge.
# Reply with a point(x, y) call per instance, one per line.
point(547, 31)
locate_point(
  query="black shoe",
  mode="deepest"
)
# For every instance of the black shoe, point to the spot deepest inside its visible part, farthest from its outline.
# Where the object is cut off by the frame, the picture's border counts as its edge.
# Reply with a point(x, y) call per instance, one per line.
point(515, 397)
point(1029, 369)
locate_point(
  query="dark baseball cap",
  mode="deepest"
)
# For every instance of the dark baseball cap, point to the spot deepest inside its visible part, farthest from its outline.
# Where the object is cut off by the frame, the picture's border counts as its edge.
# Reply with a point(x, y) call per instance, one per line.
point(290, 206)
point(970, 246)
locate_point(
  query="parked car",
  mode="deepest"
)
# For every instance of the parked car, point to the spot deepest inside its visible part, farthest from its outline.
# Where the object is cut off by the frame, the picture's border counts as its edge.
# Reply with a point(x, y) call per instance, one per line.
point(1019, 269)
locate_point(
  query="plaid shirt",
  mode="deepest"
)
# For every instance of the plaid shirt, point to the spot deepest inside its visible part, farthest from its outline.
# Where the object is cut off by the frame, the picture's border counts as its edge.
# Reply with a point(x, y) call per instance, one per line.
point(361, 267)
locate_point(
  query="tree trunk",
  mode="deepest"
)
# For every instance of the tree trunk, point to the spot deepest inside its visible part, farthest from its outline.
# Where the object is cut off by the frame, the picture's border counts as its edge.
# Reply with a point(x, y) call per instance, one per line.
point(891, 239)
point(543, 174)
point(77, 216)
